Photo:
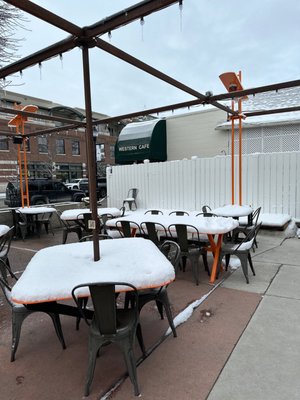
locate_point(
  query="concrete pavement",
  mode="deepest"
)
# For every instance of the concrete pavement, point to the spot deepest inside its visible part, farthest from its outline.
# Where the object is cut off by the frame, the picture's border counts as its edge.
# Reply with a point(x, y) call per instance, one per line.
point(241, 343)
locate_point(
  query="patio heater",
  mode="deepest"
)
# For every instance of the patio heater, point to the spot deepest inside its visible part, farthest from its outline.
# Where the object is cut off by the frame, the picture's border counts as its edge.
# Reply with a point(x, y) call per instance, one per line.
point(232, 83)
point(19, 122)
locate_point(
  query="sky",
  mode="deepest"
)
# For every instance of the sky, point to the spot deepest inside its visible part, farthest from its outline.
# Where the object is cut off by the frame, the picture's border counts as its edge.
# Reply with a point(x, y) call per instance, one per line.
point(194, 46)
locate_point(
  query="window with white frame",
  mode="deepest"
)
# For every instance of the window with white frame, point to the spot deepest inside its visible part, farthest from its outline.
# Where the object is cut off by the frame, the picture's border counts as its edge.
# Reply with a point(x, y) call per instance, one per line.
point(60, 146)
point(42, 144)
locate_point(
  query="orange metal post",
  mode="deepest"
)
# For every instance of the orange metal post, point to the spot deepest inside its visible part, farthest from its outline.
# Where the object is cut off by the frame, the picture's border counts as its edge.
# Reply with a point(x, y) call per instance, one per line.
point(240, 100)
point(232, 155)
point(25, 167)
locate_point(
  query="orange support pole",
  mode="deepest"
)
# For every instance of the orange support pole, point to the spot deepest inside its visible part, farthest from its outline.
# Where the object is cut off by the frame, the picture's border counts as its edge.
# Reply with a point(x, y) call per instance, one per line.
point(232, 156)
point(240, 100)
point(25, 167)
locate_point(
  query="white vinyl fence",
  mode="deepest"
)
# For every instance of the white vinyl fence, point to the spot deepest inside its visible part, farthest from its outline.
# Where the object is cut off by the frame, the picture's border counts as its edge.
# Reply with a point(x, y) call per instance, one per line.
point(269, 180)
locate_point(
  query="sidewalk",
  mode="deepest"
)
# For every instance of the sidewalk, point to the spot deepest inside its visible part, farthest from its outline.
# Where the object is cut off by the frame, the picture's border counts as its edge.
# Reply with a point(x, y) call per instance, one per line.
point(241, 343)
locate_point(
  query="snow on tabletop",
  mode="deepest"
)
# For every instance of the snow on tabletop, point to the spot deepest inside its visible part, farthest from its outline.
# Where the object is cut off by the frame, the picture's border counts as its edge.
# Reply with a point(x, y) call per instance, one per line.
point(4, 229)
point(36, 210)
point(233, 210)
point(54, 271)
point(73, 213)
point(211, 225)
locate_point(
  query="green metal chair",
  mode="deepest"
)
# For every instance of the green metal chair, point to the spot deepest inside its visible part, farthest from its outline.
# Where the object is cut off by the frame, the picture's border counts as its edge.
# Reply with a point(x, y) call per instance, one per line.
point(160, 295)
point(20, 311)
point(240, 250)
point(111, 325)
point(191, 246)
point(154, 212)
point(69, 227)
point(154, 231)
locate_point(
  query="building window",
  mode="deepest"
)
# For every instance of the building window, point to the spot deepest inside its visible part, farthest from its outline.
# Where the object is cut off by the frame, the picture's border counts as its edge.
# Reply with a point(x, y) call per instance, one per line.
point(112, 151)
point(42, 144)
point(100, 152)
point(3, 143)
point(60, 146)
point(27, 145)
point(75, 148)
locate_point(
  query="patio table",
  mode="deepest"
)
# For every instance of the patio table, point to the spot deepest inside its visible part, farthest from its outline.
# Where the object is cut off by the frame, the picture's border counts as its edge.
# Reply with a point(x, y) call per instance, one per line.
point(234, 211)
point(210, 226)
point(53, 272)
point(73, 214)
point(31, 213)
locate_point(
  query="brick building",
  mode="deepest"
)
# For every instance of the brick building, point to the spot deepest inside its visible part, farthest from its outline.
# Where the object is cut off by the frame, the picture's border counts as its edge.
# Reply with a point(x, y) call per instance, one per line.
point(58, 154)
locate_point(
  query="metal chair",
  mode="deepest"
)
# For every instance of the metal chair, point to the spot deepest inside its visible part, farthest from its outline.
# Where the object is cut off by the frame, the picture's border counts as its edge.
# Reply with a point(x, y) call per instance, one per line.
point(131, 198)
point(154, 212)
point(246, 229)
point(20, 312)
point(69, 227)
point(24, 224)
point(5, 241)
point(160, 295)
point(240, 250)
point(179, 213)
point(111, 325)
point(103, 219)
point(128, 228)
point(206, 209)
point(188, 238)
point(44, 220)
point(154, 231)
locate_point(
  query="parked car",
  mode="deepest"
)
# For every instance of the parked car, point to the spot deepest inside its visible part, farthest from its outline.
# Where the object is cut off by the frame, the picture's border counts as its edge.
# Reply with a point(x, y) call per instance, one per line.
point(41, 191)
point(74, 184)
point(101, 187)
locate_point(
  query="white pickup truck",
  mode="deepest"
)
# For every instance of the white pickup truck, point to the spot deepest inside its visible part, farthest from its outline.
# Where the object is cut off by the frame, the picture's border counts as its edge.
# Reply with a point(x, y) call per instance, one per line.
point(74, 184)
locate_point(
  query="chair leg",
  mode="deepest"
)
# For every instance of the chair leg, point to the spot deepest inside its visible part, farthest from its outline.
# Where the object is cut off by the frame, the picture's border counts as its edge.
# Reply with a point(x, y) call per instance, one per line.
point(65, 235)
point(244, 264)
point(227, 260)
point(57, 325)
point(94, 347)
point(82, 302)
point(250, 263)
point(139, 336)
point(17, 320)
point(164, 298)
point(127, 349)
point(160, 309)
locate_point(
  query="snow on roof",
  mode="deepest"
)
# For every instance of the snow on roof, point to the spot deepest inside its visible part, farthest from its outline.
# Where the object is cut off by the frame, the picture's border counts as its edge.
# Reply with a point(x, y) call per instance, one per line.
point(269, 101)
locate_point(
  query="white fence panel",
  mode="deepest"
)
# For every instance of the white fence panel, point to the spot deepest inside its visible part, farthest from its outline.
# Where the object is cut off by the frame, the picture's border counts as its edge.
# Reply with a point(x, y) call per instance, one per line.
point(271, 181)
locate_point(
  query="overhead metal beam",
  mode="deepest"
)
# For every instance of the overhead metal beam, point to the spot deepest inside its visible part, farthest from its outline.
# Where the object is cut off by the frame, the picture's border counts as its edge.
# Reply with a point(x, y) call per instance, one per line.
point(40, 116)
point(158, 74)
point(45, 15)
point(259, 89)
point(38, 57)
point(274, 111)
point(127, 15)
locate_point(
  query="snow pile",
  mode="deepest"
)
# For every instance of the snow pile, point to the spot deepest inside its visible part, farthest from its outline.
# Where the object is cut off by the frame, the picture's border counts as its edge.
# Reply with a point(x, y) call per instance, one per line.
point(291, 230)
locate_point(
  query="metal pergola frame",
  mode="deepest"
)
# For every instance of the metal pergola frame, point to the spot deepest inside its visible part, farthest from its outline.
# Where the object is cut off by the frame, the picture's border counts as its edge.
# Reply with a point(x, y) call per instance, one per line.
point(86, 38)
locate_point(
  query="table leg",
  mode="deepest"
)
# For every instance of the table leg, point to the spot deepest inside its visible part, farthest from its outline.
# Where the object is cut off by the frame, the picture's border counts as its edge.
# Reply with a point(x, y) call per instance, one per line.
point(216, 252)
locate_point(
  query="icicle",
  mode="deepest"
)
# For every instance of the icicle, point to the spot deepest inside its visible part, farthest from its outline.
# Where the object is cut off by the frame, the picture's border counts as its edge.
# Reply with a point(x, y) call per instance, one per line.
point(142, 22)
point(180, 13)
point(21, 74)
point(61, 60)
point(109, 36)
point(40, 67)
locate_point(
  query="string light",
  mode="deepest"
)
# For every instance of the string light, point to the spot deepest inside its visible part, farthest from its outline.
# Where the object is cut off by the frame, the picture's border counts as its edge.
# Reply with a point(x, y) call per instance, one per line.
point(21, 74)
point(61, 60)
point(109, 36)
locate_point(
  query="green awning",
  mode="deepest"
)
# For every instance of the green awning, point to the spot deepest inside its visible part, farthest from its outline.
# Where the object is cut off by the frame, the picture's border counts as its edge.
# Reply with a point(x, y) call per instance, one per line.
point(142, 140)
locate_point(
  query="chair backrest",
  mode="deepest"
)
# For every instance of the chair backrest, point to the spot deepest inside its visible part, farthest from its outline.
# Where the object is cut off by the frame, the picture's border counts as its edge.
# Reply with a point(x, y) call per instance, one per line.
point(248, 240)
point(184, 233)
point(255, 216)
point(7, 279)
point(172, 251)
point(101, 236)
point(206, 209)
point(5, 241)
point(154, 212)
point(122, 209)
point(133, 193)
point(103, 219)
point(179, 213)
point(206, 214)
point(85, 217)
point(104, 304)
point(153, 230)
point(128, 228)
point(21, 218)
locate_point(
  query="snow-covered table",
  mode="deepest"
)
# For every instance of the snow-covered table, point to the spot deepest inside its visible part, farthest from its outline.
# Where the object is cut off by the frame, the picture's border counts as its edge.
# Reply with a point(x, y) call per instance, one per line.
point(35, 210)
point(72, 215)
point(53, 272)
point(235, 211)
point(213, 227)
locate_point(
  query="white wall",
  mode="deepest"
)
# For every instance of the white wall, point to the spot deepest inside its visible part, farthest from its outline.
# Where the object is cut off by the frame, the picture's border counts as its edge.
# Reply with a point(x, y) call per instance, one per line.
point(271, 181)
point(194, 134)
